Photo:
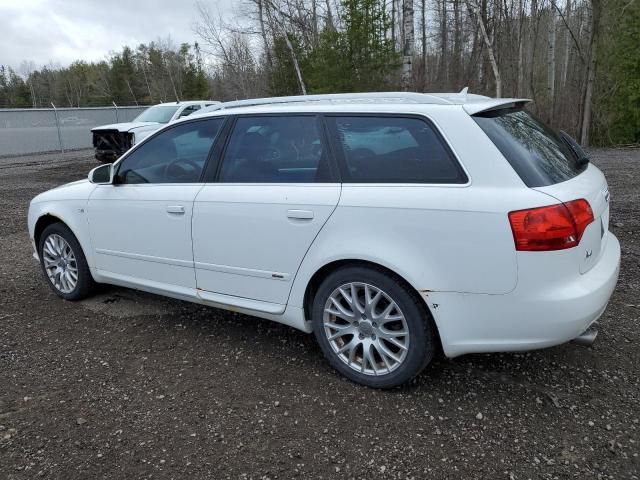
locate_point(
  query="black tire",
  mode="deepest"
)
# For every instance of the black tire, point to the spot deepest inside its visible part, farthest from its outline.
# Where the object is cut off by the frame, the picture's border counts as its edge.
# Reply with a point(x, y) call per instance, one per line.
point(85, 285)
point(423, 341)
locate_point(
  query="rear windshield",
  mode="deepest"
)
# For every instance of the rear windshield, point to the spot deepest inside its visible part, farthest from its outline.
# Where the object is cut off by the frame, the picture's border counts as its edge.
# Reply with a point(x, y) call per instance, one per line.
point(535, 151)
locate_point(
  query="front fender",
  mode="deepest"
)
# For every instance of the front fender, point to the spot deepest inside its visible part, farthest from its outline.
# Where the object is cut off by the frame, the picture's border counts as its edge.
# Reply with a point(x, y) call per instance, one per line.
point(70, 212)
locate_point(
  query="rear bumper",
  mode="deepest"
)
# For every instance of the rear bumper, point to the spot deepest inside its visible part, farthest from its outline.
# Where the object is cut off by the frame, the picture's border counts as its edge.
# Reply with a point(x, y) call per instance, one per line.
point(532, 316)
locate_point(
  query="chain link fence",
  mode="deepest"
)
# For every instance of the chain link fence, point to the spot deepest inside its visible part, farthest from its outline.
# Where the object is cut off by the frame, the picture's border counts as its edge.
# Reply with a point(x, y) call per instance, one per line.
point(35, 130)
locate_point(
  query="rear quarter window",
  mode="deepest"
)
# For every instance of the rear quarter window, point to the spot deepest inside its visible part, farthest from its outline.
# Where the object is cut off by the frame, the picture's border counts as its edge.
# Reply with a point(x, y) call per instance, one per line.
point(389, 149)
point(536, 152)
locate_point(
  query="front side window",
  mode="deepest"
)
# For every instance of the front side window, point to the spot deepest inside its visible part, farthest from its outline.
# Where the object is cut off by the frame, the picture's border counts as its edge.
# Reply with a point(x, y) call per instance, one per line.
point(157, 114)
point(275, 149)
point(177, 155)
point(538, 155)
point(379, 149)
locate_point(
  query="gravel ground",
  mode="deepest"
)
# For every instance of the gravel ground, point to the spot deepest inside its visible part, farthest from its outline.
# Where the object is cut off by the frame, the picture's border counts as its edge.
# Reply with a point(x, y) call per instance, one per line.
point(132, 385)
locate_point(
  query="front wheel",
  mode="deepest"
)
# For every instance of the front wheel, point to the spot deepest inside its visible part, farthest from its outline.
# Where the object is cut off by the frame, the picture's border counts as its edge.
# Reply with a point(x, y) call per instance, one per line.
point(372, 327)
point(63, 263)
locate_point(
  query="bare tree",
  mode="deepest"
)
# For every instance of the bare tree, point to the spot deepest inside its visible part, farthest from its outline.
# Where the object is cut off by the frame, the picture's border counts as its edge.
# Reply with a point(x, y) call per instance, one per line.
point(567, 43)
point(596, 13)
point(408, 43)
point(551, 63)
point(489, 45)
point(423, 25)
point(26, 69)
point(521, 44)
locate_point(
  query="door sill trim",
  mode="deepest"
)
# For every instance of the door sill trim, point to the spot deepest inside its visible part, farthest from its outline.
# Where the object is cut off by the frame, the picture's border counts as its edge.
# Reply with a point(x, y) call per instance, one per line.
point(225, 301)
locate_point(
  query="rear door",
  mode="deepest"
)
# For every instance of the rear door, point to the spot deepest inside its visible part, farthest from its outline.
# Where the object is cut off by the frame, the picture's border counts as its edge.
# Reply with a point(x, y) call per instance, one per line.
point(258, 214)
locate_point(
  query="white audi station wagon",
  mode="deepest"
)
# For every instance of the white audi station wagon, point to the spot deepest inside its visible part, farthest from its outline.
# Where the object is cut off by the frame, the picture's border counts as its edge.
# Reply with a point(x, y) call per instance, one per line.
point(391, 225)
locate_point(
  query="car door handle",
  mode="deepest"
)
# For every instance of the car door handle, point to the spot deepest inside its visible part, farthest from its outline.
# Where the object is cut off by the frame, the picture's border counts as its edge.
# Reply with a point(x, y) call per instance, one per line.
point(175, 209)
point(300, 214)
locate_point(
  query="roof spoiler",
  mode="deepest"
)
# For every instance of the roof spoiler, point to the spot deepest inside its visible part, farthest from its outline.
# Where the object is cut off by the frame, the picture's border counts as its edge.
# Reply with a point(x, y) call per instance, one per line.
point(475, 108)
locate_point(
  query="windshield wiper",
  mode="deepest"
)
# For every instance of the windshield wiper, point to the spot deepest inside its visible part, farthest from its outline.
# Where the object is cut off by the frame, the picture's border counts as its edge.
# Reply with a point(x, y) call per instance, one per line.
point(582, 158)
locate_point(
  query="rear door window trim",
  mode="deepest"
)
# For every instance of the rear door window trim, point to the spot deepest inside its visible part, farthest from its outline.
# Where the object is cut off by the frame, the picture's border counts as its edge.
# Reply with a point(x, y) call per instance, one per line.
point(465, 179)
point(212, 175)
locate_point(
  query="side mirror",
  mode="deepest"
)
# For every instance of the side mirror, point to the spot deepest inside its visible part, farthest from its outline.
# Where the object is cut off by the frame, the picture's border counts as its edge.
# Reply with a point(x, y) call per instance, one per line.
point(102, 175)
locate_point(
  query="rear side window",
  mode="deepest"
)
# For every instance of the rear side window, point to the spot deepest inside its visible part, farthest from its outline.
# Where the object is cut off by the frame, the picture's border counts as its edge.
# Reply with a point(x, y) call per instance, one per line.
point(275, 149)
point(379, 149)
point(537, 153)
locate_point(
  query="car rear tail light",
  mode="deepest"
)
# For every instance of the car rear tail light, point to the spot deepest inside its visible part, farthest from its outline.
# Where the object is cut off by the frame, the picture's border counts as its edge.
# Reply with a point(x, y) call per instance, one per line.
point(554, 227)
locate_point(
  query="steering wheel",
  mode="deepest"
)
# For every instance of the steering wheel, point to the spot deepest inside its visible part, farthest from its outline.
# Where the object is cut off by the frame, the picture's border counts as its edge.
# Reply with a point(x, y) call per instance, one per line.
point(181, 168)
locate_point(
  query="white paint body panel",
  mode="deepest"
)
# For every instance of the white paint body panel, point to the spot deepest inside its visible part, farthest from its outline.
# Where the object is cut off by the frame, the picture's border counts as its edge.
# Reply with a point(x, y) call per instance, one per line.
point(236, 246)
point(135, 233)
point(251, 239)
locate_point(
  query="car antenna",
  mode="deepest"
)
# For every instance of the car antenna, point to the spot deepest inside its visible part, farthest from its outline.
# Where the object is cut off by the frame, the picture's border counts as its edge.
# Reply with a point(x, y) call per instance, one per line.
point(463, 92)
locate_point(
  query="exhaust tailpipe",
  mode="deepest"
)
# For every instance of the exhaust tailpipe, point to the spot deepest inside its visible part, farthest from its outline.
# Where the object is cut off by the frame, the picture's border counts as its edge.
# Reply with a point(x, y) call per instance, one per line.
point(587, 338)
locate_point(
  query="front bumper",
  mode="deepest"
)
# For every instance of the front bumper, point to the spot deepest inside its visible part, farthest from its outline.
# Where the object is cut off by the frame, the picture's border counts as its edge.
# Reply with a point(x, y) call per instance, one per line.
point(532, 316)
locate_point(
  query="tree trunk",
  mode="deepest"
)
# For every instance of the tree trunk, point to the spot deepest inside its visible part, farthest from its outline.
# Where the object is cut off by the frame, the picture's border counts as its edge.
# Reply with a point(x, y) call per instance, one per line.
point(173, 85)
point(131, 91)
point(423, 14)
point(444, 66)
point(146, 81)
point(294, 58)
point(330, 24)
point(32, 92)
point(567, 45)
point(551, 65)
point(533, 34)
point(314, 19)
point(393, 22)
point(489, 45)
point(263, 33)
point(521, 17)
point(596, 10)
point(457, 45)
point(408, 45)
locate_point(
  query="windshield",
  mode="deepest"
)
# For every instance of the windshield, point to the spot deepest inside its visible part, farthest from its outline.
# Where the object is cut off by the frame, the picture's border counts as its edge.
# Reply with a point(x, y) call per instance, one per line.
point(159, 113)
point(537, 153)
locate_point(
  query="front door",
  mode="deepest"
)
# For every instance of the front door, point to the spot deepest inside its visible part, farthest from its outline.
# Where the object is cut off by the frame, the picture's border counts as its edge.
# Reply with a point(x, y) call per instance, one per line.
point(274, 192)
point(141, 225)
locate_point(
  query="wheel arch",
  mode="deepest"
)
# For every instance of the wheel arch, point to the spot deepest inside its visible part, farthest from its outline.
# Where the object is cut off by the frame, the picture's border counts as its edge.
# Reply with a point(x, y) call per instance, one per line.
point(70, 214)
point(325, 270)
point(43, 222)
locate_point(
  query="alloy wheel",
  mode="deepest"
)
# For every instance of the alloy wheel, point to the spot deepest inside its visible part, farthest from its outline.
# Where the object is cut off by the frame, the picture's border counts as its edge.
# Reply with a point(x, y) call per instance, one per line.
point(366, 328)
point(60, 263)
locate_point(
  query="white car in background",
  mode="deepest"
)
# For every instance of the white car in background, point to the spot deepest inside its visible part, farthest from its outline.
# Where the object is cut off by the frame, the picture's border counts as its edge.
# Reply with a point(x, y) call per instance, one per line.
point(391, 225)
point(111, 141)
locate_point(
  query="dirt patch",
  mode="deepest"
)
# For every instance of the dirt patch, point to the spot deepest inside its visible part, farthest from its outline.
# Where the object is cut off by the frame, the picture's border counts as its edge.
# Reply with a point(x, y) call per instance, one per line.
point(124, 303)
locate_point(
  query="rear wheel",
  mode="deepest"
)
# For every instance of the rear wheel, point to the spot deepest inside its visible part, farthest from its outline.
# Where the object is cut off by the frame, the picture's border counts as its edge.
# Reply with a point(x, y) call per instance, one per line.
point(63, 263)
point(372, 327)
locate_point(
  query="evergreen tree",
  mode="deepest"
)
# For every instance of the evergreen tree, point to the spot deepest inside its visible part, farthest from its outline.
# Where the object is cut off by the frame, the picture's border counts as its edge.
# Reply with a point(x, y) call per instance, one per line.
point(358, 58)
point(618, 104)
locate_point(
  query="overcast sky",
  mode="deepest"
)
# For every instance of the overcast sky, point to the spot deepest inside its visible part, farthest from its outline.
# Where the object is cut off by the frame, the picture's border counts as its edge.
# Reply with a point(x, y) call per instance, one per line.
point(61, 31)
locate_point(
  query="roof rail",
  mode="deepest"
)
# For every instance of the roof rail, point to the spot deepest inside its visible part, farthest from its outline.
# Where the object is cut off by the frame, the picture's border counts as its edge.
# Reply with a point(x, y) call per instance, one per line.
point(372, 97)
